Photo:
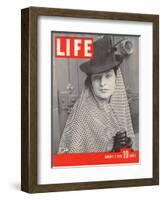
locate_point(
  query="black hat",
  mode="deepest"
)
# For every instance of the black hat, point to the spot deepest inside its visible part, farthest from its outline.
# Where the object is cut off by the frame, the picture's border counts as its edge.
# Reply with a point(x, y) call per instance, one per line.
point(104, 57)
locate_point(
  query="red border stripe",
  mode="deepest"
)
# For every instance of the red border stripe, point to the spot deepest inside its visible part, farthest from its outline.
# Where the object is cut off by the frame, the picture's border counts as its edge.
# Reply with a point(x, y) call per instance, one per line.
point(124, 156)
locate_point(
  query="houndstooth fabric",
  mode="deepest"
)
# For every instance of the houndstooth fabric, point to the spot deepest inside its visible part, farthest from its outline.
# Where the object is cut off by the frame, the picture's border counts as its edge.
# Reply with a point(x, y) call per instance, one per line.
point(92, 122)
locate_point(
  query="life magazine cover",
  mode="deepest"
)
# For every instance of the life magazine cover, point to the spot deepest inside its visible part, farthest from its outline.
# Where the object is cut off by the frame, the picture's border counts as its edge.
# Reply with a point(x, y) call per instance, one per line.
point(95, 99)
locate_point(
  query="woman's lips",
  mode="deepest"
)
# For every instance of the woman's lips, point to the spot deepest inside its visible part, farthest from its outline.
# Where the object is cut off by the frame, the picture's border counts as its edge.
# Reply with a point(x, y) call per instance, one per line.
point(104, 90)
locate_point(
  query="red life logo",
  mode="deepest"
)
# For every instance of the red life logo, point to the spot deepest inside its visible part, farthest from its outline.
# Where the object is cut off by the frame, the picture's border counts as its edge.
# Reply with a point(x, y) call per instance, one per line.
point(73, 47)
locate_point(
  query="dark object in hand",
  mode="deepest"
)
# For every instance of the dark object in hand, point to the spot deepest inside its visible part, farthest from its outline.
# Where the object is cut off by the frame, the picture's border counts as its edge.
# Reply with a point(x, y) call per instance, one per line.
point(121, 141)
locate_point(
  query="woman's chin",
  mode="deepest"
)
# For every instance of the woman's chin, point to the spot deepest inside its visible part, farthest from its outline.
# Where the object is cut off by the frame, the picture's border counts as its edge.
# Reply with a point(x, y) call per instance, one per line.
point(104, 97)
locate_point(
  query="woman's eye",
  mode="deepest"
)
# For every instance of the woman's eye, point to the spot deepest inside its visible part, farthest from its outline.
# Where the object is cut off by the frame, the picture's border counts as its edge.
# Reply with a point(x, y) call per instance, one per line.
point(96, 77)
point(108, 75)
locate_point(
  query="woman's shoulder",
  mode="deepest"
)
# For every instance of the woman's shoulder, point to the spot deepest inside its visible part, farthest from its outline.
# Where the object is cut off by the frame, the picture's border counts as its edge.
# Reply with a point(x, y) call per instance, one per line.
point(82, 105)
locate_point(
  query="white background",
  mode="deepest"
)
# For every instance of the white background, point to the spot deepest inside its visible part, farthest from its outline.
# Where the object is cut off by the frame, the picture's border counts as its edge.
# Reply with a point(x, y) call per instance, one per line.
point(10, 49)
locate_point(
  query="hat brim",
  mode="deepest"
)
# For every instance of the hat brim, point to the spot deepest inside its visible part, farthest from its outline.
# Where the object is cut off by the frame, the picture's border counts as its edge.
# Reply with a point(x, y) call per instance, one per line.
point(90, 68)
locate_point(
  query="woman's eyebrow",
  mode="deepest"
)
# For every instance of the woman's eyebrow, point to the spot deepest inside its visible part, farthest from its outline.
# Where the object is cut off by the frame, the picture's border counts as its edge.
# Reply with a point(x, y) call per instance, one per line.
point(95, 75)
point(108, 73)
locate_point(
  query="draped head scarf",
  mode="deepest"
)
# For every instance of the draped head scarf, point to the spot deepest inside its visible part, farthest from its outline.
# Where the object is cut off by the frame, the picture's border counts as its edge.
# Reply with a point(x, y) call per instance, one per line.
point(93, 122)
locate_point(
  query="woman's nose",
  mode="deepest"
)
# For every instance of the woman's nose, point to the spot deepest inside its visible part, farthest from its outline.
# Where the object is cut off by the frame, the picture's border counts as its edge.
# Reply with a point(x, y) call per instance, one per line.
point(102, 81)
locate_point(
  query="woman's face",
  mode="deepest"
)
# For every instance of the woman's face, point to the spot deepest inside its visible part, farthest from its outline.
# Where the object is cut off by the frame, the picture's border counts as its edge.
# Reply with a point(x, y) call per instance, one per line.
point(103, 84)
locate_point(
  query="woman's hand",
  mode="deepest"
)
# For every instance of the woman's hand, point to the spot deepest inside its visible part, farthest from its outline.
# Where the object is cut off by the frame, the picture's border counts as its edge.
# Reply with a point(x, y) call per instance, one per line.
point(121, 141)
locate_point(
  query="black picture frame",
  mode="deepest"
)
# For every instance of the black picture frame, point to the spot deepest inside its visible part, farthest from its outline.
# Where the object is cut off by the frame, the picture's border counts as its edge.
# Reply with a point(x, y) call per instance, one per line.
point(29, 173)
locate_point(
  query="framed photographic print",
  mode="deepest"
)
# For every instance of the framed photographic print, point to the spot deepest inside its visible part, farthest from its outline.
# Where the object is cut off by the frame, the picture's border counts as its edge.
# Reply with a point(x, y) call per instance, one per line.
point(90, 99)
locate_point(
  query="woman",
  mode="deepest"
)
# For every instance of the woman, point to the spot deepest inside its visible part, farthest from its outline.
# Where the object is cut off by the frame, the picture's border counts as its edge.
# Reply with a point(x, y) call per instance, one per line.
point(100, 120)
